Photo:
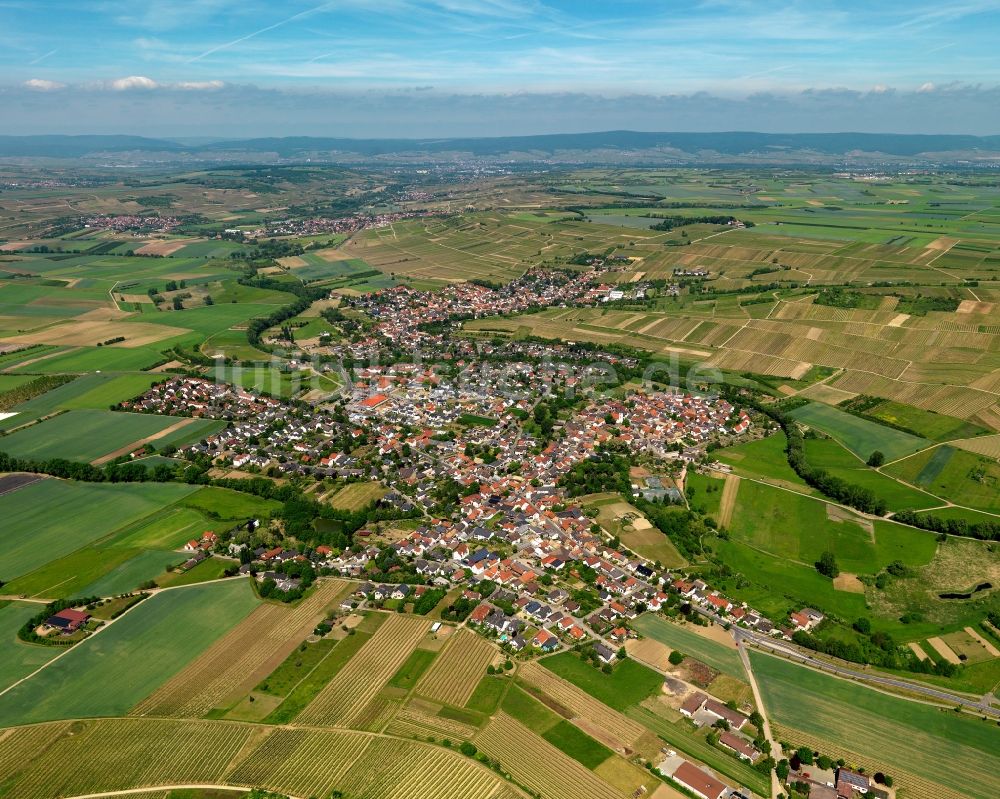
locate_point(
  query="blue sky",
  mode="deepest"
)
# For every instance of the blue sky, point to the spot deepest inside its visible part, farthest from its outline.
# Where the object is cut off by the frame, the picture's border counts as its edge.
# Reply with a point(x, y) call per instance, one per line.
point(524, 55)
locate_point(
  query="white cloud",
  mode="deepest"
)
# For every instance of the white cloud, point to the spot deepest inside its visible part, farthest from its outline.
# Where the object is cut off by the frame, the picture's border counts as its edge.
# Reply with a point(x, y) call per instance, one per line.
point(133, 82)
point(200, 85)
point(880, 88)
point(926, 87)
point(42, 85)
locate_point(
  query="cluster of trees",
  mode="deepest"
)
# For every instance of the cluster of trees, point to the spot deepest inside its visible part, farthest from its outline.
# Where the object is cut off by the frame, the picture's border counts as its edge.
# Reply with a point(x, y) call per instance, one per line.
point(683, 527)
point(873, 648)
point(603, 471)
point(27, 632)
point(670, 222)
point(31, 389)
point(987, 531)
point(305, 296)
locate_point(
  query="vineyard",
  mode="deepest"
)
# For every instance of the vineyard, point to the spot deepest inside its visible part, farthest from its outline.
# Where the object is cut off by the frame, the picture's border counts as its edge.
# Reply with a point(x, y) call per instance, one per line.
point(303, 762)
point(342, 701)
point(107, 755)
point(583, 705)
point(241, 658)
point(538, 765)
point(412, 723)
point(117, 754)
point(457, 671)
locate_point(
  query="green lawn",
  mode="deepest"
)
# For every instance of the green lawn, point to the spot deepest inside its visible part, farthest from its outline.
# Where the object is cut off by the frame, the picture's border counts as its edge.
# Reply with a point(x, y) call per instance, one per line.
point(296, 666)
point(129, 575)
point(111, 390)
point(411, 671)
point(577, 744)
point(764, 458)
point(960, 752)
point(860, 436)
point(628, 684)
point(109, 673)
point(49, 519)
point(83, 435)
point(488, 694)
point(19, 659)
point(799, 529)
point(685, 640)
point(521, 705)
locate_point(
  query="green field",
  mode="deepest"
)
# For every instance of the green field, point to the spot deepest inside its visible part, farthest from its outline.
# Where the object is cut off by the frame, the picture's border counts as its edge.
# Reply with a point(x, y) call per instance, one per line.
point(764, 458)
point(49, 519)
point(627, 685)
point(85, 435)
point(829, 455)
point(108, 673)
point(859, 435)
point(959, 752)
point(19, 659)
point(958, 476)
point(688, 642)
point(935, 426)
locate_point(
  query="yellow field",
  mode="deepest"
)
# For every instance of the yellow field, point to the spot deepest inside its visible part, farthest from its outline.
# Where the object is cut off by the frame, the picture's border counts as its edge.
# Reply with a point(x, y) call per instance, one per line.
point(235, 663)
point(412, 723)
point(108, 755)
point(538, 765)
point(456, 672)
point(342, 701)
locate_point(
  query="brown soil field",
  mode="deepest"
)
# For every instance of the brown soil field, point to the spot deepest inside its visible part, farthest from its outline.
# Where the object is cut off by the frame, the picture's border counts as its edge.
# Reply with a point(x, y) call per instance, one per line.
point(990, 649)
point(942, 243)
point(168, 247)
point(848, 582)
point(728, 500)
point(646, 650)
point(944, 650)
point(145, 298)
point(917, 650)
point(291, 261)
point(235, 663)
point(89, 334)
point(971, 306)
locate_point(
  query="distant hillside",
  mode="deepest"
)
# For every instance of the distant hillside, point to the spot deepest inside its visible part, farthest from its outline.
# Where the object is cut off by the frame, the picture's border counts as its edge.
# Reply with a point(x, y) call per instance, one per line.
point(604, 147)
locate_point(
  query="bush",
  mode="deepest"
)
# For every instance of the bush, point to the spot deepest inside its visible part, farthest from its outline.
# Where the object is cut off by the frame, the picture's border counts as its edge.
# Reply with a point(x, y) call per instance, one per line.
point(676, 658)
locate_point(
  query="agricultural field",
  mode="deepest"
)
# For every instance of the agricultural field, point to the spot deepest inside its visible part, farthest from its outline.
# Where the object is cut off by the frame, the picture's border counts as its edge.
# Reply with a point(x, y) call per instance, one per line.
point(137, 535)
point(637, 533)
point(964, 478)
point(19, 659)
point(74, 514)
point(628, 684)
point(356, 496)
point(108, 673)
point(713, 649)
point(95, 436)
point(859, 435)
point(935, 746)
point(235, 663)
point(456, 672)
point(342, 702)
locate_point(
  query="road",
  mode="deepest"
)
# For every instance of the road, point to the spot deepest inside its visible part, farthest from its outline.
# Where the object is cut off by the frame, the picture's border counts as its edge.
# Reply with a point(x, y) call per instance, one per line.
point(792, 652)
point(776, 750)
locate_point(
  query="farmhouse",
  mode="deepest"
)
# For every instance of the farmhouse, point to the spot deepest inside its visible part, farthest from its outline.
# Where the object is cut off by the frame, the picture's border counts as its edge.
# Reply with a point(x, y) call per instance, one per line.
point(744, 749)
point(698, 782)
point(851, 782)
point(68, 620)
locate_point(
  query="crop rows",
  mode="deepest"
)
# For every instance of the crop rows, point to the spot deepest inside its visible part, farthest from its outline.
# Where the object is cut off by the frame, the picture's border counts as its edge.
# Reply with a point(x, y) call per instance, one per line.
point(537, 764)
point(582, 704)
point(394, 769)
point(19, 745)
point(117, 754)
point(344, 698)
point(237, 661)
point(456, 672)
point(302, 762)
point(414, 724)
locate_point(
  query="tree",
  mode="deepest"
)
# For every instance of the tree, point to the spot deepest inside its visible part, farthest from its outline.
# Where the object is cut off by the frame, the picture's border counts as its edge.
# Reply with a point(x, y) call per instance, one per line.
point(876, 459)
point(178, 303)
point(827, 565)
point(676, 658)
